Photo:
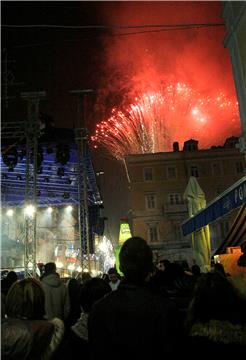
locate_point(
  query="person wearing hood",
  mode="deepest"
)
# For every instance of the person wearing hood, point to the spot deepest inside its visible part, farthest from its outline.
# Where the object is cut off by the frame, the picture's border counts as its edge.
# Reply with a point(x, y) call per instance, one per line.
point(57, 302)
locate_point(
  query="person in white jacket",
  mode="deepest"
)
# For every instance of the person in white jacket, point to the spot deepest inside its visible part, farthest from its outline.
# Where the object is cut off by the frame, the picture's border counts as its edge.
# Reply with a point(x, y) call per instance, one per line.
point(57, 302)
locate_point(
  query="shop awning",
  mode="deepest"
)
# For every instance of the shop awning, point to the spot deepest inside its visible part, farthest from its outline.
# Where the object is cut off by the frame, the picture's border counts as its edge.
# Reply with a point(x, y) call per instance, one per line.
point(237, 233)
point(231, 199)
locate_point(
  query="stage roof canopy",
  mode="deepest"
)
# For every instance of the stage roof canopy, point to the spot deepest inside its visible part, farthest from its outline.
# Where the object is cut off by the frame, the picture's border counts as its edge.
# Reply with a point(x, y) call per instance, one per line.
point(57, 178)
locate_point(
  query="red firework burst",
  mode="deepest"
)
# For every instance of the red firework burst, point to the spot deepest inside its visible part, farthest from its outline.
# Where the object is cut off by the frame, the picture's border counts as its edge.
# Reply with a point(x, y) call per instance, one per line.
point(175, 113)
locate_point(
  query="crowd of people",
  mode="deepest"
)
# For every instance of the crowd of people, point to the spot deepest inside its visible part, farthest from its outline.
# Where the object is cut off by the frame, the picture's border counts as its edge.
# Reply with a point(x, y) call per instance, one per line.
point(152, 310)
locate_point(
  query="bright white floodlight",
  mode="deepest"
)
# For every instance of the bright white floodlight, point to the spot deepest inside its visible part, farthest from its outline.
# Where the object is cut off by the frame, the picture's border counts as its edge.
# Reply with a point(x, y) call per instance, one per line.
point(69, 208)
point(29, 210)
point(10, 212)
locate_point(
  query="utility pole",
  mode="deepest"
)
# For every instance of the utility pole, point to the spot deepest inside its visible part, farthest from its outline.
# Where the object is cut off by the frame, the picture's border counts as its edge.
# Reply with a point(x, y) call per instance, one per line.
point(32, 133)
point(81, 138)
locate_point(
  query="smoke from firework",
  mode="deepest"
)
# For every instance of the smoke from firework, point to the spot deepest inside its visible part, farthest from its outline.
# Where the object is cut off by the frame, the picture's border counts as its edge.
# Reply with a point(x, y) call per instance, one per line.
point(136, 64)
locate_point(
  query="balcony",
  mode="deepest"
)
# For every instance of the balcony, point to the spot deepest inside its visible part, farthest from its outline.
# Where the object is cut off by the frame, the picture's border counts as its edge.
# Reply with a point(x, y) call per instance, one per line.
point(174, 208)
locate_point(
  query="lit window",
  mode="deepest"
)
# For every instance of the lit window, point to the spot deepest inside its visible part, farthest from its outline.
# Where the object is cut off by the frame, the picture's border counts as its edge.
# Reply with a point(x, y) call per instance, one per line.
point(150, 201)
point(148, 174)
point(194, 171)
point(171, 172)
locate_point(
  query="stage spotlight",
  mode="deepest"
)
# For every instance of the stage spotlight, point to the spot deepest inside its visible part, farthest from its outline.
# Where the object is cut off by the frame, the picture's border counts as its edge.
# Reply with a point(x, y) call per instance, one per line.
point(29, 210)
point(10, 212)
point(22, 154)
point(40, 158)
point(49, 150)
point(50, 209)
point(10, 158)
point(60, 172)
point(69, 208)
point(62, 154)
point(66, 195)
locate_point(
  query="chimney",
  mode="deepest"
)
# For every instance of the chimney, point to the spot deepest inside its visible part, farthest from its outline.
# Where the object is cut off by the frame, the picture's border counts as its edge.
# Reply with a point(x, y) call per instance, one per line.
point(176, 146)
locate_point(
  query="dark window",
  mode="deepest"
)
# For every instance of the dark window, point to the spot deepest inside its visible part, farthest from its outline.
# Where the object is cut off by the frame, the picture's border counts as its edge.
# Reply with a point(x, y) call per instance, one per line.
point(194, 170)
point(175, 198)
point(216, 168)
point(171, 172)
point(153, 233)
point(239, 167)
point(148, 174)
point(150, 201)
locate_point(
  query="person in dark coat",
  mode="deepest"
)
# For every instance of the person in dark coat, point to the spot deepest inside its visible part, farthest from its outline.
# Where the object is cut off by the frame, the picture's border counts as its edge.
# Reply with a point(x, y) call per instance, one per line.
point(216, 320)
point(76, 337)
point(132, 321)
point(74, 288)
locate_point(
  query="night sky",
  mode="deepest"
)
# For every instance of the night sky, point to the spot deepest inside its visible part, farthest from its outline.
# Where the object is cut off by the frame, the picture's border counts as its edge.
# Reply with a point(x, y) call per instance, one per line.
point(114, 61)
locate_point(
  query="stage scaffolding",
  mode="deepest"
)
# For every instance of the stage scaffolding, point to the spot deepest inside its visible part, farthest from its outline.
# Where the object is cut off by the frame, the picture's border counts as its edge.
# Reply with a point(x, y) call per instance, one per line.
point(78, 187)
point(32, 133)
point(28, 130)
point(82, 149)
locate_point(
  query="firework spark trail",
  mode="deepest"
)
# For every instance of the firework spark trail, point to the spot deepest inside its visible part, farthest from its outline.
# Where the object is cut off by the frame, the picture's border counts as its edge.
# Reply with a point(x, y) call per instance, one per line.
point(175, 113)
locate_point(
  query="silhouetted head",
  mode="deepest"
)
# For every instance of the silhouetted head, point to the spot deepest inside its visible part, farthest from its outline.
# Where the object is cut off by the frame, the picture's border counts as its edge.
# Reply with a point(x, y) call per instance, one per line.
point(136, 260)
point(91, 291)
point(219, 268)
point(195, 269)
point(215, 297)
point(163, 264)
point(85, 276)
point(73, 287)
point(12, 276)
point(26, 300)
point(113, 275)
point(50, 268)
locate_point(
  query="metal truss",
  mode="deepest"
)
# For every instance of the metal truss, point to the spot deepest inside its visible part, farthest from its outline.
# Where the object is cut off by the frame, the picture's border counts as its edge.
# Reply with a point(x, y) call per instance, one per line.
point(82, 146)
point(32, 133)
point(83, 218)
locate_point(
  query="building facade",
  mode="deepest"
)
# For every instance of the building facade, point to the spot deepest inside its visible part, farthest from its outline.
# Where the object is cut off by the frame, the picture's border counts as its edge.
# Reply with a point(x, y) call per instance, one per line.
point(234, 13)
point(157, 183)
